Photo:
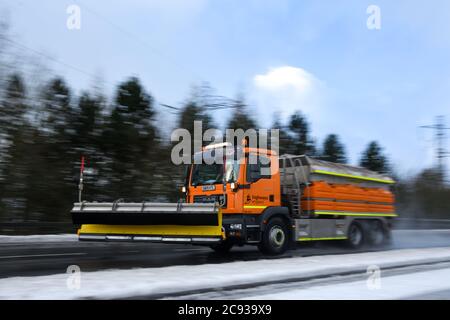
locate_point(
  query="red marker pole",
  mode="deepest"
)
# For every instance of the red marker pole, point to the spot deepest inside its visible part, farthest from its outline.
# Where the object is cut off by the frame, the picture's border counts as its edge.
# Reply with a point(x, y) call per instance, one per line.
point(82, 165)
point(80, 185)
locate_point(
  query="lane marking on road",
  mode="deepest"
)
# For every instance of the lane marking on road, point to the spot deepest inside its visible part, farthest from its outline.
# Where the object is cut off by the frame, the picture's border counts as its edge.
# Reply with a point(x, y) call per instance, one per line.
point(44, 255)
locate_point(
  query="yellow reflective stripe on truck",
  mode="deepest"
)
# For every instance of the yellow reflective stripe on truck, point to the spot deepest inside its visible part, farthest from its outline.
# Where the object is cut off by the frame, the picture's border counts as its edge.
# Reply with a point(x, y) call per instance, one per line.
point(255, 207)
point(353, 176)
point(360, 214)
point(169, 230)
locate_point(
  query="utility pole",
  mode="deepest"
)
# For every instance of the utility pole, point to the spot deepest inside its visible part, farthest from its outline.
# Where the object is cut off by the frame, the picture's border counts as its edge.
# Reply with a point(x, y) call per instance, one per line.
point(440, 140)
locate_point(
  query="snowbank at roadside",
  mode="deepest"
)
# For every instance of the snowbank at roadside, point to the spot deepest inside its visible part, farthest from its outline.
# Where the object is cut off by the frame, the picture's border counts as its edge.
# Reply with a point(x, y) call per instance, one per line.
point(39, 238)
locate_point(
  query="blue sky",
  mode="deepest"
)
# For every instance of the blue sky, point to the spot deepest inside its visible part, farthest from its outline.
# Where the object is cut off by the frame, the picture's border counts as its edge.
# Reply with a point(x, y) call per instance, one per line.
point(283, 55)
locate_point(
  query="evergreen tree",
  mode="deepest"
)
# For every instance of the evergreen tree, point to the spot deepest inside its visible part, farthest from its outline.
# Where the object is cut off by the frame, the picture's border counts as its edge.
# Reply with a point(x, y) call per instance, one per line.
point(424, 196)
point(14, 157)
point(195, 109)
point(88, 127)
point(240, 118)
point(54, 187)
point(12, 111)
point(57, 109)
point(302, 143)
point(333, 150)
point(285, 140)
point(131, 142)
point(87, 122)
point(13, 107)
point(373, 159)
point(192, 112)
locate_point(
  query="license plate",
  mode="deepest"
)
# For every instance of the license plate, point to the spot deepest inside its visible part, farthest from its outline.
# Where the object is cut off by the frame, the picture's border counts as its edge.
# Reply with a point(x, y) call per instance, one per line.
point(209, 188)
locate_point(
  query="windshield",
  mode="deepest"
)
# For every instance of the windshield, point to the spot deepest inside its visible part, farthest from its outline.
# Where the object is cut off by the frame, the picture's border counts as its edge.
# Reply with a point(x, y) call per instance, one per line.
point(204, 174)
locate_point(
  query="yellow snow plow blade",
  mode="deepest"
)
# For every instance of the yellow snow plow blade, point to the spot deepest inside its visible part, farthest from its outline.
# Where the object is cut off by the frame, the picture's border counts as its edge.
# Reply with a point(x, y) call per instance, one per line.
point(154, 222)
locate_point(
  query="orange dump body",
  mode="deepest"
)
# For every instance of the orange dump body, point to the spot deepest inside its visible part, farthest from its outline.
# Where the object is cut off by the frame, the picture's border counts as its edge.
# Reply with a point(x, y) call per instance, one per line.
point(323, 196)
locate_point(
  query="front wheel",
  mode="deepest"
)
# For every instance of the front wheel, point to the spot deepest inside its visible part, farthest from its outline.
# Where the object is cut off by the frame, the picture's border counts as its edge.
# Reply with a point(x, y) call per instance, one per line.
point(275, 239)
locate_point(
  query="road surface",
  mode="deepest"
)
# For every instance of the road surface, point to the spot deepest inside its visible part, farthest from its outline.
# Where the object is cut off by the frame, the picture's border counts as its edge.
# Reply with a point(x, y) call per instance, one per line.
point(403, 274)
point(36, 258)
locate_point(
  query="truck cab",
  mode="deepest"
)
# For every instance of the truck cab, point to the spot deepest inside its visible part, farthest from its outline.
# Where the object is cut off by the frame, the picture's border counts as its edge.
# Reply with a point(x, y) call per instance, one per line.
point(246, 184)
point(238, 186)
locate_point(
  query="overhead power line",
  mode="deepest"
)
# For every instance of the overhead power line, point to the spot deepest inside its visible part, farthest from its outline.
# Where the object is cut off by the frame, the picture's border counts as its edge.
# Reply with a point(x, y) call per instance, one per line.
point(67, 65)
point(141, 40)
point(208, 102)
point(440, 137)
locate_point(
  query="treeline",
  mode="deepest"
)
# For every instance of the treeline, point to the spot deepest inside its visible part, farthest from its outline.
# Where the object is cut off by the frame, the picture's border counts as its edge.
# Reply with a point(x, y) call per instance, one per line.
point(43, 137)
point(43, 140)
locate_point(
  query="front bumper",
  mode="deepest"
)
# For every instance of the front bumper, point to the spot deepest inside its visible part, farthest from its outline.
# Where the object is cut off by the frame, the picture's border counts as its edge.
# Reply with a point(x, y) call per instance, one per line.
point(152, 233)
point(150, 238)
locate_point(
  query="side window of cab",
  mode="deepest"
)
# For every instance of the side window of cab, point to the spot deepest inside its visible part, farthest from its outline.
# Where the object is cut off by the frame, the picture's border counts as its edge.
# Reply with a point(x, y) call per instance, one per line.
point(259, 170)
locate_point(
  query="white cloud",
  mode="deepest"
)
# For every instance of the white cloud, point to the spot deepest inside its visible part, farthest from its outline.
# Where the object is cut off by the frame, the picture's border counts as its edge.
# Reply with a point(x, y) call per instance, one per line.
point(285, 77)
point(285, 89)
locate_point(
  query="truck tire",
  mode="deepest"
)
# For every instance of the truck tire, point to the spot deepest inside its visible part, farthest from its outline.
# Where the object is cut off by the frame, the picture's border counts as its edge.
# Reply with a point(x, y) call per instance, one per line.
point(275, 238)
point(355, 235)
point(376, 236)
point(222, 247)
point(387, 237)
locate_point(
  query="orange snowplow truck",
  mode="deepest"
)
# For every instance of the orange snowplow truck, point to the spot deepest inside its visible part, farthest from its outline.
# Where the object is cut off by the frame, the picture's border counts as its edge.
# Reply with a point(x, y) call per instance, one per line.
point(272, 202)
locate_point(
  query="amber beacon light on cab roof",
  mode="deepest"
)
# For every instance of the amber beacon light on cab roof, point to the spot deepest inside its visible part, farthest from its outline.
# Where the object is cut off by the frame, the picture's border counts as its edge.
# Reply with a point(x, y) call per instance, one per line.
point(271, 202)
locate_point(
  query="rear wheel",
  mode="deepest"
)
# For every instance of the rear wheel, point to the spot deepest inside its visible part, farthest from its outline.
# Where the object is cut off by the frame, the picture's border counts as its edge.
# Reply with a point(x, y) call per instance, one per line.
point(376, 234)
point(275, 239)
point(222, 247)
point(355, 235)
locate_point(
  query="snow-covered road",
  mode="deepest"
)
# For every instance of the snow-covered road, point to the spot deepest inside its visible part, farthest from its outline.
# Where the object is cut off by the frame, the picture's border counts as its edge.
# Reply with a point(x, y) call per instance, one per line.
point(159, 282)
point(415, 285)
